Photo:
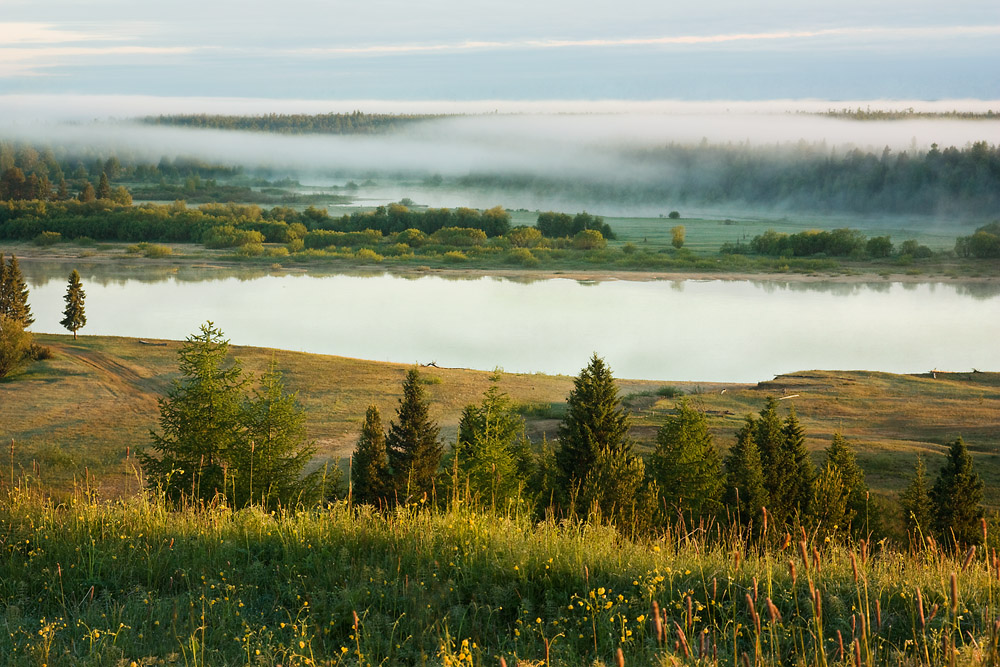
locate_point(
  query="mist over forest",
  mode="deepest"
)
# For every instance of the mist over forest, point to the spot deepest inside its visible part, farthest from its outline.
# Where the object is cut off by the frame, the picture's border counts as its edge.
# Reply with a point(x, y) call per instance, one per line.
point(610, 163)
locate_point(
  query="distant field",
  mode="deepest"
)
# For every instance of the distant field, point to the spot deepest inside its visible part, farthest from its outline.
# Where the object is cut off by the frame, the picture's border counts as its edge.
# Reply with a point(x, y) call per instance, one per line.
point(80, 412)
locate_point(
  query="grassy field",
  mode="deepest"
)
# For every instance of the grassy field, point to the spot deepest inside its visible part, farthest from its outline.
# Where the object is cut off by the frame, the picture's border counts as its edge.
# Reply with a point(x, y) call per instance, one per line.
point(137, 583)
point(96, 399)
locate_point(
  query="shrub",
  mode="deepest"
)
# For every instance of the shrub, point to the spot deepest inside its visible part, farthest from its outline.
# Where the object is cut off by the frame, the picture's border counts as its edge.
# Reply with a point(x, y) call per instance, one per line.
point(462, 237)
point(674, 215)
point(412, 237)
point(250, 250)
point(455, 256)
point(227, 236)
point(524, 237)
point(368, 255)
point(48, 238)
point(280, 251)
point(589, 239)
point(153, 250)
point(296, 245)
point(523, 257)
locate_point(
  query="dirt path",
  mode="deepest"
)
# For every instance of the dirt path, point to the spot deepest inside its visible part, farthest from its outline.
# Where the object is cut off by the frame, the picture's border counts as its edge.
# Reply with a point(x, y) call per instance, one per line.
point(121, 380)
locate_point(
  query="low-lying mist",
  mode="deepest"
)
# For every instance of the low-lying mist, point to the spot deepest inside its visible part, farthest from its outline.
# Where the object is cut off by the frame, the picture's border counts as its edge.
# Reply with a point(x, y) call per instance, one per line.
point(614, 163)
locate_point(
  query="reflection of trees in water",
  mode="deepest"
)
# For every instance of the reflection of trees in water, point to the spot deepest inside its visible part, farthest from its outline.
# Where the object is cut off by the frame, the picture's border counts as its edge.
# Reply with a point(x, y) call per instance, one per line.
point(980, 291)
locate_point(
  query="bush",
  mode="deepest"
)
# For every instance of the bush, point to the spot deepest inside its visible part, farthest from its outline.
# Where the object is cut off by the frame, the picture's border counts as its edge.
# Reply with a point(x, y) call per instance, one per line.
point(280, 251)
point(589, 239)
point(38, 352)
point(153, 250)
point(15, 344)
point(368, 255)
point(250, 250)
point(455, 256)
point(523, 257)
point(296, 245)
point(47, 238)
point(412, 237)
point(674, 215)
point(227, 236)
point(462, 237)
point(524, 237)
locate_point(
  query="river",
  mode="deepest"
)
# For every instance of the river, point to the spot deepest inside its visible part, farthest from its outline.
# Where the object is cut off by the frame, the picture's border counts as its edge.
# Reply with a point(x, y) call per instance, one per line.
point(713, 330)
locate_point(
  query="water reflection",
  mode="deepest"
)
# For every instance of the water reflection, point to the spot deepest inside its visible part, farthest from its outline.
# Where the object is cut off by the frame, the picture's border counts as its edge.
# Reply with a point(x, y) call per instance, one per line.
point(670, 330)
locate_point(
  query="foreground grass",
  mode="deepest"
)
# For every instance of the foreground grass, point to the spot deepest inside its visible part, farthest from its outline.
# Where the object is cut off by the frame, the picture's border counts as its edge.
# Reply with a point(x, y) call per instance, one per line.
point(131, 582)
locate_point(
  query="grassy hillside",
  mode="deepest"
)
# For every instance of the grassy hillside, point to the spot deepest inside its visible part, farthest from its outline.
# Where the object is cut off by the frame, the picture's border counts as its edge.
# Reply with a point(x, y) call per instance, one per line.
point(82, 411)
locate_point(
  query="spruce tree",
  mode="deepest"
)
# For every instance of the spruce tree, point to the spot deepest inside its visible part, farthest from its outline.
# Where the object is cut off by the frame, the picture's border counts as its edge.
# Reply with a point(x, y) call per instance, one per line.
point(957, 496)
point(74, 318)
point(595, 421)
point(918, 509)
point(686, 465)
point(746, 489)
point(14, 294)
point(199, 421)
point(492, 456)
point(266, 461)
point(794, 472)
point(856, 506)
point(104, 187)
point(371, 482)
point(412, 444)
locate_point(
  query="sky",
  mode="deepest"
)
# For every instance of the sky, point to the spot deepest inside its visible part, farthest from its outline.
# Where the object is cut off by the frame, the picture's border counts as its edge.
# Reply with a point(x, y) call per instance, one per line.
point(461, 50)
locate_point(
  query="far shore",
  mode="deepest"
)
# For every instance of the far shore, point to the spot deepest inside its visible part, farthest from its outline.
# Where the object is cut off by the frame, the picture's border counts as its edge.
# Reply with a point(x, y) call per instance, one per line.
point(197, 257)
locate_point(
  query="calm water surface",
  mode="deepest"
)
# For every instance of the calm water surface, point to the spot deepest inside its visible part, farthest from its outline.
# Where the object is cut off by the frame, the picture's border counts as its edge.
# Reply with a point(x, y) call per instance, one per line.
point(740, 331)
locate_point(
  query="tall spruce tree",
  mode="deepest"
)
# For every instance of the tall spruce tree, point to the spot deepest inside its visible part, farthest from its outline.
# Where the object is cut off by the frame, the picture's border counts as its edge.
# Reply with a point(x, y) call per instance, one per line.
point(746, 489)
point(74, 317)
point(794, 472)
point(14, 294)
point(412, 444)
point(957, 496)
point(686, 466)
point(104, 187)
point(918, 509)
point(595, 421)
point(371, 481)
point(199, 421)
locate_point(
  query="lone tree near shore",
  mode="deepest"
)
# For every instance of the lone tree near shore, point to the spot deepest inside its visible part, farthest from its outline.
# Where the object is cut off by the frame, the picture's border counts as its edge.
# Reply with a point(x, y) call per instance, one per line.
point(74, 318)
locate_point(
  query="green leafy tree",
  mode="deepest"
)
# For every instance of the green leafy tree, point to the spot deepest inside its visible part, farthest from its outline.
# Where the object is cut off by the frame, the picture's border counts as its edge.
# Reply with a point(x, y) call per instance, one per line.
point(492, 457)
point(266, 461)
point(918, 509)
point(686, 466)
point(14, 293)
point(677, 236)
point(199, 421)
point(371, 481)
point(74, 318)
point(412, 444)
point(957, 496)
point(746, 489)
point(595, 422)
point(15, 343)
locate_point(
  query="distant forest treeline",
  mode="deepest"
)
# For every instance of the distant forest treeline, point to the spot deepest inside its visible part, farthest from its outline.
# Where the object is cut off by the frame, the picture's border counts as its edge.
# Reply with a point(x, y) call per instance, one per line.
point(328, 123)
point(902, 114)
point(954, 181)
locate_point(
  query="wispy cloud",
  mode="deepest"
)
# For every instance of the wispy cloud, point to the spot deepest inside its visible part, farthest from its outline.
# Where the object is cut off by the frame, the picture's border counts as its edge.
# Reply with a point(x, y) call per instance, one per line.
point(24, 32)
point(31, 61)
point(937, 32)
